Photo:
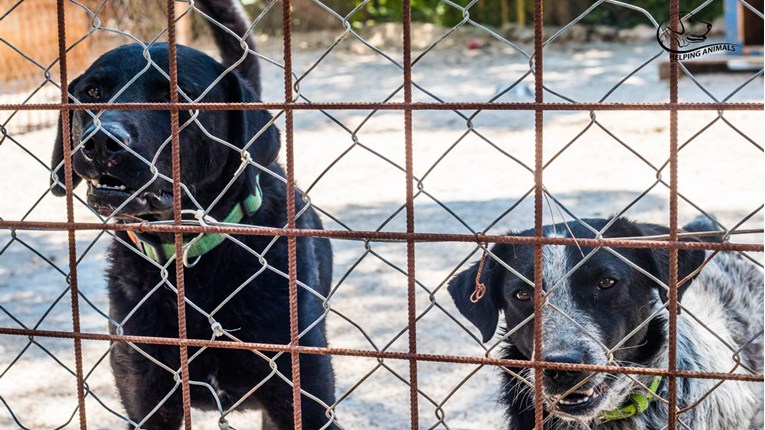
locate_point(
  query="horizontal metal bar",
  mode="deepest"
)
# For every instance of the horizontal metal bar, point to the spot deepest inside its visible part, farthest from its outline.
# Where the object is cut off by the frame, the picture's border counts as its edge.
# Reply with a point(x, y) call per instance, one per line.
point(382, 236)
point(456, 359)
point(391, 106)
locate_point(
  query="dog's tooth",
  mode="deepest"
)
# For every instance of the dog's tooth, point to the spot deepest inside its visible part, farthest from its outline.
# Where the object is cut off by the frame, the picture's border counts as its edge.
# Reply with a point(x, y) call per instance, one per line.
point(579, 401)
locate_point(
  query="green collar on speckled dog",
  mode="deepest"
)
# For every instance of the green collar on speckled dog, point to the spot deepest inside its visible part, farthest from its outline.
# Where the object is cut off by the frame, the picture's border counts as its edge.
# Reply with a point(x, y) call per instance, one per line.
point(638, 403)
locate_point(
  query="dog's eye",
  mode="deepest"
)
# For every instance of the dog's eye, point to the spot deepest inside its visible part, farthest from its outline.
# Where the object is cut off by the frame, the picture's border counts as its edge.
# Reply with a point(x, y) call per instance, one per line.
point(606, 283)
point(94, 93)
point(522, 295)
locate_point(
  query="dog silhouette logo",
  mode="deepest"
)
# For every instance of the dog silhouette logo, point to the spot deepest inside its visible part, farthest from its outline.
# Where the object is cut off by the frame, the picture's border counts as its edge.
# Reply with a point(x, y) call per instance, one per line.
point(690, 35)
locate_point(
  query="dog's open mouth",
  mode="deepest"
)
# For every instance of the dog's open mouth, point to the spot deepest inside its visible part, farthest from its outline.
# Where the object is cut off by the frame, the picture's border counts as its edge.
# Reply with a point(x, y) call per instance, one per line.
point(107, 193)
point(577, 403)
point(108, 183)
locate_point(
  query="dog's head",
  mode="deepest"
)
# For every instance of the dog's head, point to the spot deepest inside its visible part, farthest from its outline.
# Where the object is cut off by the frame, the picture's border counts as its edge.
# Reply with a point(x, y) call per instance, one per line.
point(124, 154)
point(691, 30)
point(593, 304)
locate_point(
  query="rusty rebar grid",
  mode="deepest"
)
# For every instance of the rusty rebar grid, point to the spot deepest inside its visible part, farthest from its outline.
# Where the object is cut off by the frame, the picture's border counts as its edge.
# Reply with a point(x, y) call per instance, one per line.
point(179, 227)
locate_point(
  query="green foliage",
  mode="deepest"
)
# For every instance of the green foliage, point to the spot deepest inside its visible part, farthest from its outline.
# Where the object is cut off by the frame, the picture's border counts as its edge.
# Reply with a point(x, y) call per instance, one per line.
point(493, 13)
point(489, 12)
point(609, 14)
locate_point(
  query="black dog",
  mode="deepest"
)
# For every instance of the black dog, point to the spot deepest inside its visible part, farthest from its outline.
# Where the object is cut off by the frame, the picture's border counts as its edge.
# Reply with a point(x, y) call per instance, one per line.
point(123, 157)
point(606, 308)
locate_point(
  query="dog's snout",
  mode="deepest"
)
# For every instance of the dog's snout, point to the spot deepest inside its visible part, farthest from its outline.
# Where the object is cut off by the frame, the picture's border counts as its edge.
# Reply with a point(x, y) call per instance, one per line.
point(563, 377)
point(105, 141)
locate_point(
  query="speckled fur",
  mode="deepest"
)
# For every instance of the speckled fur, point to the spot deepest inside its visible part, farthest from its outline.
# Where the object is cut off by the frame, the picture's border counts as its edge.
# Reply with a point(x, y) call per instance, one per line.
point(726, 295)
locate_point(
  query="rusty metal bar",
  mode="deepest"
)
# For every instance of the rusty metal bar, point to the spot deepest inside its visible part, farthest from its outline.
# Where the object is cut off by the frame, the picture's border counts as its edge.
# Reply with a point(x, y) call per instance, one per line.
point(176, 169)
point(551, 106)
point(410, 243)
point(386, 236)
point(456, 359)
point(538, 210)
point(72, 240)
point(291, 216)
point(674, 21)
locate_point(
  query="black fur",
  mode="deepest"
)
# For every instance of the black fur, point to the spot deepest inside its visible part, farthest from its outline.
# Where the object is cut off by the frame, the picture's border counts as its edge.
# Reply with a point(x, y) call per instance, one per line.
point(227, 13)
point(260, 311)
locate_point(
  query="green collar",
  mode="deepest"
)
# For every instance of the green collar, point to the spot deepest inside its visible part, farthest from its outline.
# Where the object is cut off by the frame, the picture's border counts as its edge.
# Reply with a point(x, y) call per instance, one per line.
point(200, 245)
point(638, 403)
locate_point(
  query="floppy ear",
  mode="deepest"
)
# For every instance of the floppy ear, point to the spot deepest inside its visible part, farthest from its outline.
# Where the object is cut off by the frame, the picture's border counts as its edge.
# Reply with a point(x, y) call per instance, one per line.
point(484, 314)
point(687, 260)
point(58, 158)
point(247, 123)
point(58, 155)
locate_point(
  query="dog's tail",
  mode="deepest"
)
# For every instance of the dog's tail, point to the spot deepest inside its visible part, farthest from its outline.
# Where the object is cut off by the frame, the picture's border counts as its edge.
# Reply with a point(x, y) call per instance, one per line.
point(231, 15)
point(703, 223)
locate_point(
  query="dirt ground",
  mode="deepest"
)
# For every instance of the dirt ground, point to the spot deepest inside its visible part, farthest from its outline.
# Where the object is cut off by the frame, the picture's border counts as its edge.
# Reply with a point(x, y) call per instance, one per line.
point(721, 171)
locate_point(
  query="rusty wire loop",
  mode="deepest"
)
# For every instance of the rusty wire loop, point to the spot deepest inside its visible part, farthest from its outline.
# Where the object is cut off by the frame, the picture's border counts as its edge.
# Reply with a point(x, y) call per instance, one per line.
point(480, 288)
point(386, 354)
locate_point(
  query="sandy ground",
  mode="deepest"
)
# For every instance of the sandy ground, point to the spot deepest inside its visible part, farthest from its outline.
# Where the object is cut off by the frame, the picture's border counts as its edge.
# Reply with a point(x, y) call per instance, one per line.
point(721, 172)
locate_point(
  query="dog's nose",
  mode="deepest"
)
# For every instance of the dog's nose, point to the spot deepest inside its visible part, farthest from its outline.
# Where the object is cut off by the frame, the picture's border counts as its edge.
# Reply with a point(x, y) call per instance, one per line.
point(101, 145)
point(564, 377)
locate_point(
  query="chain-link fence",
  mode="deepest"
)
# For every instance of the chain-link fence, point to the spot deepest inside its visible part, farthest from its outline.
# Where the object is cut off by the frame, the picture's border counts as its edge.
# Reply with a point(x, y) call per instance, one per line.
point(416, 155)
point(28, 57)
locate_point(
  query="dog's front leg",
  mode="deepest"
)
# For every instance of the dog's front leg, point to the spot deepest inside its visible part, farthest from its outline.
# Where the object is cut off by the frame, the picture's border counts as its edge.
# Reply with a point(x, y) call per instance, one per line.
point(143, 385)
point(276, 395)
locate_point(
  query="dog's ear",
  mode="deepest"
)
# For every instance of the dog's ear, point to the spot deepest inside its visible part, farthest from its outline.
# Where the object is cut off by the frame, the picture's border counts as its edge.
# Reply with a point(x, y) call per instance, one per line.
point(58, 154)
point(484, 313)
point(248, 123)
point(687, 260)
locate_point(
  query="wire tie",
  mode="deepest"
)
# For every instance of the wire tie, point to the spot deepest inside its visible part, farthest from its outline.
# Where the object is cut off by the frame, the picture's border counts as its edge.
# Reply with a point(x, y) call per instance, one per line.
point(200, 216)
point(223, 424)
point(246, 158)
point(217, 330)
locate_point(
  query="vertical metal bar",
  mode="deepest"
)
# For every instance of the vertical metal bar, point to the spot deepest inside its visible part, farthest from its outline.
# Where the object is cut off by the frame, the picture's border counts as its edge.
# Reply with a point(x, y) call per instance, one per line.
point(538, 211)
point(66, 142)
point(291, 215)
point(179, 273)
point(410, 243)
point(674, 17)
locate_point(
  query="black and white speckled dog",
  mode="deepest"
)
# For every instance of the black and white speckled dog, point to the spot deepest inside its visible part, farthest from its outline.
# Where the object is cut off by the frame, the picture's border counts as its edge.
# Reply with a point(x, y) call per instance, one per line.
point(605, 301)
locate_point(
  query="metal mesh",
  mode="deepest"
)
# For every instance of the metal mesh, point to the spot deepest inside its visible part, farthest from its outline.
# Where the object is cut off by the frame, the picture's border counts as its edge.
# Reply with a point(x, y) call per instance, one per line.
point(389, 245)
